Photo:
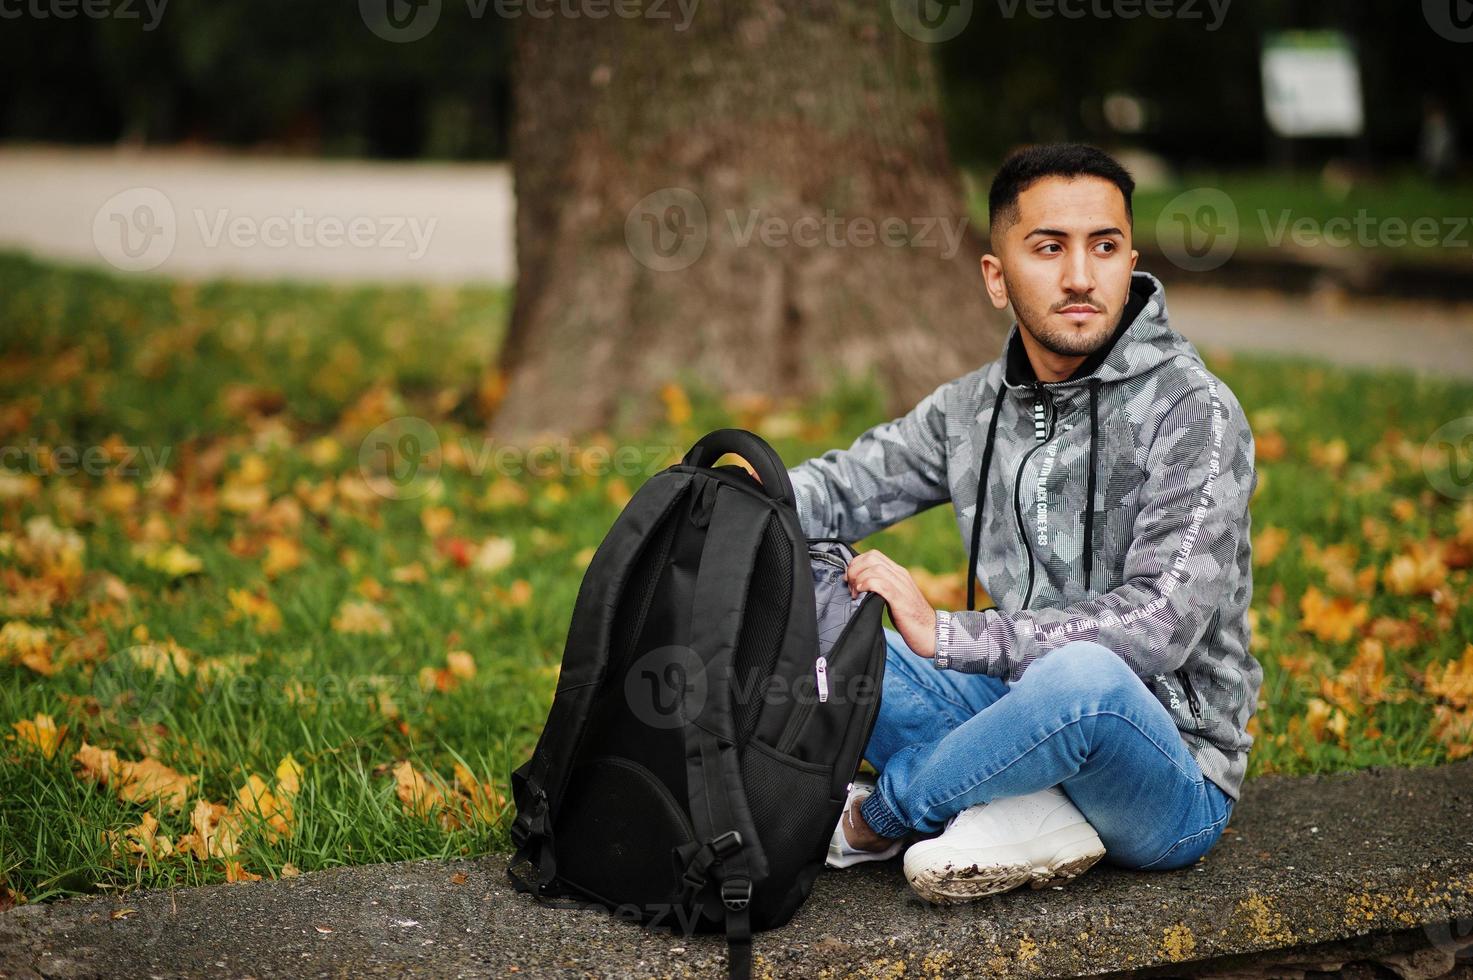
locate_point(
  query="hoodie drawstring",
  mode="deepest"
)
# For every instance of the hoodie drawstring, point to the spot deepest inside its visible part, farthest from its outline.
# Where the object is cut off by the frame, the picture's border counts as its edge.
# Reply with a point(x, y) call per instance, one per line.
point(1089, 493)
point(1089, 499)
point(1002, 390)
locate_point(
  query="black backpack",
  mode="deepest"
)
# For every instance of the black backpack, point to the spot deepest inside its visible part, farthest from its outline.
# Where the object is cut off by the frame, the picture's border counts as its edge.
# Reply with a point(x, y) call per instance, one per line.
point(717, 691)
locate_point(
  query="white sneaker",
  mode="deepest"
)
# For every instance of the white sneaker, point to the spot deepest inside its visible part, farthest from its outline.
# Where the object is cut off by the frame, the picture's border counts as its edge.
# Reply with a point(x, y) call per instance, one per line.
point(992, 847)
point(841, 855)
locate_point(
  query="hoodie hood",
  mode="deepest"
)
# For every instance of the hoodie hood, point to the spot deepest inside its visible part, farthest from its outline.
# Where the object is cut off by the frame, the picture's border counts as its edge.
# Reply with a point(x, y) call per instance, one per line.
point(1142, 340)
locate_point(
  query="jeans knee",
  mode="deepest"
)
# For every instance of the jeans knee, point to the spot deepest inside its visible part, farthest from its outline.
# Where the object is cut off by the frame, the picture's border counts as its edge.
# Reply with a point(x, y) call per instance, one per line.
point(1083, 666)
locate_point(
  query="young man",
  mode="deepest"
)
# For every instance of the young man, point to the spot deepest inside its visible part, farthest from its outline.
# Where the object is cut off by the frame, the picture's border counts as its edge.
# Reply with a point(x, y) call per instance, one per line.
point(1099, 710)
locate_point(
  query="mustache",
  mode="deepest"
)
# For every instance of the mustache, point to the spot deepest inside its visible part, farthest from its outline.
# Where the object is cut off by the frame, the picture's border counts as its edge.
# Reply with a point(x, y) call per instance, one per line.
point(1078, 301)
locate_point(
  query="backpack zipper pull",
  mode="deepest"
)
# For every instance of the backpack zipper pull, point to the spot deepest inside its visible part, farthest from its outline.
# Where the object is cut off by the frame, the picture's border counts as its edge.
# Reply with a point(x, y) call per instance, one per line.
point(821, 666)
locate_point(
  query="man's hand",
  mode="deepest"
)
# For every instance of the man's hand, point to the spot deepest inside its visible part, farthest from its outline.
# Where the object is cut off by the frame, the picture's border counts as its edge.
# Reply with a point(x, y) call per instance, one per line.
point(913, 616)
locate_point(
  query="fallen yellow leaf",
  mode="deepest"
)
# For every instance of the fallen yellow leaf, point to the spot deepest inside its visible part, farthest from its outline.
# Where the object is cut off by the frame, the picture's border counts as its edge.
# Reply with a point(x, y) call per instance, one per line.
point(235, 871)
point(282, 555)
point(436, 520)
point(27, 645)
point(1331, 620)
point(361, 617)
point(172, 560)
point(461, 664)
point(40, 733)
point(136, 782)
point(1267, 544)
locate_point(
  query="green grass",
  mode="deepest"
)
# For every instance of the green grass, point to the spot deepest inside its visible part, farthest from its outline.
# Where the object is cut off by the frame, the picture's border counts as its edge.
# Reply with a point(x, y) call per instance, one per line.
point(279, 384)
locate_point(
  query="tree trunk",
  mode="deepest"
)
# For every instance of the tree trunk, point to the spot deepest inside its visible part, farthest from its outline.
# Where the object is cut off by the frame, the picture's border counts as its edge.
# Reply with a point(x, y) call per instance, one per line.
point(757, 202)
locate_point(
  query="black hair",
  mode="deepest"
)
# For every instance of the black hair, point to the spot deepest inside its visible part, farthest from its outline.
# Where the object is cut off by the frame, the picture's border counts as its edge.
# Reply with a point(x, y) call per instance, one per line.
point(1023, 168)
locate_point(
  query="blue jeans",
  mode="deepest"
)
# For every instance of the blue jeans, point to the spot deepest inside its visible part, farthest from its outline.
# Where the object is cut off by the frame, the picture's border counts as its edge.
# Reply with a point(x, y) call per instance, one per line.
point(1078, 718)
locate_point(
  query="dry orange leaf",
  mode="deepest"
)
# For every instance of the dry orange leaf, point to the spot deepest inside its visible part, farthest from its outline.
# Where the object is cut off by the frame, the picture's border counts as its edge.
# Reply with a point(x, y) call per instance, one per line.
point(27, 645)
point(254, 606)
point(172, 560)
point(517, 595)
point(1419, 570)
point(235, 871)
point(1452, 682)
point(282, 555)
point(40, 733)
point(215, 832)
point(1330, 620)
point(482, 800)
point(461, 664)
point(1269, 446)
point(414, 572)
point(416, 794)
point(436, 520)
point(1267, 544)
point(136, 782)
point(1331, 455)
point(677, 404)
point(142, 839)
point(1454, 729)
point(504, 493)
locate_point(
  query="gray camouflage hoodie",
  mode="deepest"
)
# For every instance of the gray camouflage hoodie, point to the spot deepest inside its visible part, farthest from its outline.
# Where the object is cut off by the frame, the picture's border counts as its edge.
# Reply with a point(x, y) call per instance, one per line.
point(1157, 565)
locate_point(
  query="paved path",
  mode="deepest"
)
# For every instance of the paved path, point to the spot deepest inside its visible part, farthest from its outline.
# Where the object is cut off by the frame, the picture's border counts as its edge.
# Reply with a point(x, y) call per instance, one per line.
point(355, 221)
point(1337, 868)
point(261, 218)
point(1425, 337)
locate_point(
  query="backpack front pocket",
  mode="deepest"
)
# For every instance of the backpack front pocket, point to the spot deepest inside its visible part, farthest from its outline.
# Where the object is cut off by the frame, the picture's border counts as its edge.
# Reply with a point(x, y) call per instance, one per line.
point(617, 828)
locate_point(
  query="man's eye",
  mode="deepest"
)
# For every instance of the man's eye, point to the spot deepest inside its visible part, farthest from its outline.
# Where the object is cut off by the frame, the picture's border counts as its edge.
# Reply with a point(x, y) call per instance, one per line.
point(1107, 246)
point(1054, 246)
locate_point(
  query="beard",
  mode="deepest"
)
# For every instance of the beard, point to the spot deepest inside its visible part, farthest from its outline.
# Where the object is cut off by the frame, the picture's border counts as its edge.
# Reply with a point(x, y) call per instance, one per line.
point(1061, 340)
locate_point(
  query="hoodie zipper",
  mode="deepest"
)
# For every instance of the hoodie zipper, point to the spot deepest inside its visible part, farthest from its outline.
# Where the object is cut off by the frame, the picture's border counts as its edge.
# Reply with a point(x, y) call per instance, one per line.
point(1191, 693)
point(1048, 404)
point(1185, 679)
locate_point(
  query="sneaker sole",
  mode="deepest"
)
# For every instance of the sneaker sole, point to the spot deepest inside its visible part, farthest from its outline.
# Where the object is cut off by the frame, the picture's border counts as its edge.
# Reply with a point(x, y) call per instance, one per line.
point(963, 874)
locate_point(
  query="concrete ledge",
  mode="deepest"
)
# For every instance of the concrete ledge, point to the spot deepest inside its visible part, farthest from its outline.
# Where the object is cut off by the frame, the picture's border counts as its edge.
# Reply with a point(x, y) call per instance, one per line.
point(1313, 870)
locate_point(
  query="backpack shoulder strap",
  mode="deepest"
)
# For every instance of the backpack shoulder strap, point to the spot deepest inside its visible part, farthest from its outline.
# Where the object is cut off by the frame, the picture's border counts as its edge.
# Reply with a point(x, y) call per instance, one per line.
point(725, 832)
point(537, 785)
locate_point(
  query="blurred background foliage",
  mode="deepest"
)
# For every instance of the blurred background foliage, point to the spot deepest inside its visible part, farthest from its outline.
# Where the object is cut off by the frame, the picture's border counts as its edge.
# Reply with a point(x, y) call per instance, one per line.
point(311, 79)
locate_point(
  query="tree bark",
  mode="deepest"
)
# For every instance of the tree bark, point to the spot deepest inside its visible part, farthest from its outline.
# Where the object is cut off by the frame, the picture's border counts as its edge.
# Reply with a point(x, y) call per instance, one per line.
point(758, 202)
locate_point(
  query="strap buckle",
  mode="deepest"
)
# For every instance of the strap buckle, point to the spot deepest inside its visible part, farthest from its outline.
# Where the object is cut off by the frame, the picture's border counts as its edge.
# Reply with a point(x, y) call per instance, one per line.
point(736, 892)
point(727, 843)
point(533, 824)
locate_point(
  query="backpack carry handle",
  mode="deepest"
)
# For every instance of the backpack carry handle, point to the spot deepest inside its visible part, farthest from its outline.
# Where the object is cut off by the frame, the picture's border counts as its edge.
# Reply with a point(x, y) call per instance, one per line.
point(752, 448)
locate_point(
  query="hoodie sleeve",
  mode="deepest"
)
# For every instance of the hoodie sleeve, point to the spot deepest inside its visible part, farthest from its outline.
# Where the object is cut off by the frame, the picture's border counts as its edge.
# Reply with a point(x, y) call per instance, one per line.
point(1193, 519)
point(893, 470)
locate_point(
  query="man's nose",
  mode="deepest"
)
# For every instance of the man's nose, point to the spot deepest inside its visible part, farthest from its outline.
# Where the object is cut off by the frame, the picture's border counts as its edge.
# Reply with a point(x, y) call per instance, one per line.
point(1078, 277)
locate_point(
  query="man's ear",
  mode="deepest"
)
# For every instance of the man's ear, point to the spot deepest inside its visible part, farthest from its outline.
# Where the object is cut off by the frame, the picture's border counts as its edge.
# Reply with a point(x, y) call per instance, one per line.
point(1134, 258)
point(997, 287)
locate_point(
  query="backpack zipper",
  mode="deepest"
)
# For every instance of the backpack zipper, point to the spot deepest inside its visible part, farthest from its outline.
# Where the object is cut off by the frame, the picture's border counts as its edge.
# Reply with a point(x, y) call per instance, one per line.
point(799, 717)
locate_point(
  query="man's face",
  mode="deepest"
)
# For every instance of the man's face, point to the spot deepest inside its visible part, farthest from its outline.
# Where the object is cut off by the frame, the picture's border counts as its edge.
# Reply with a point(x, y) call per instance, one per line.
point(1065, 263)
